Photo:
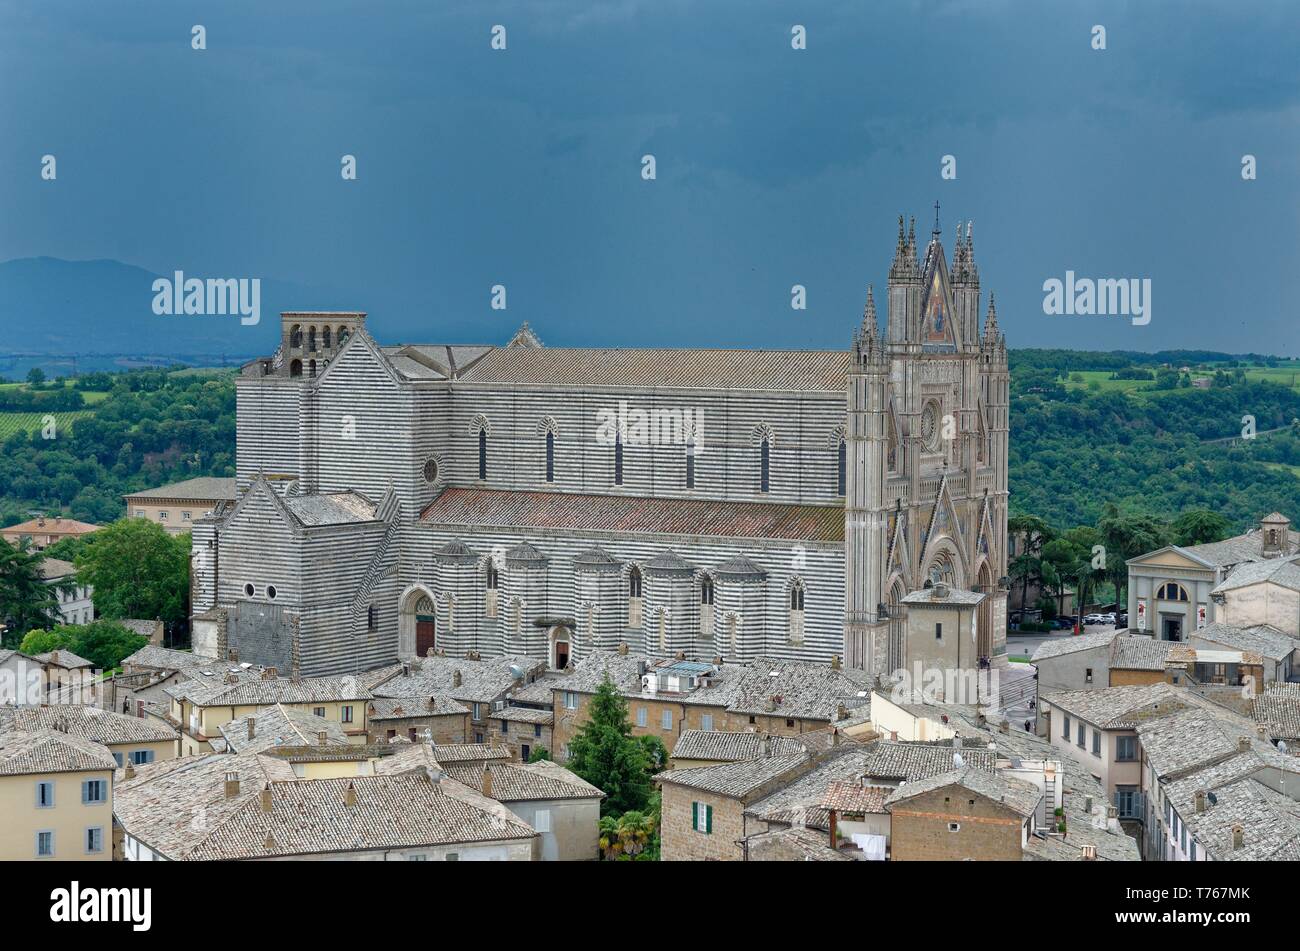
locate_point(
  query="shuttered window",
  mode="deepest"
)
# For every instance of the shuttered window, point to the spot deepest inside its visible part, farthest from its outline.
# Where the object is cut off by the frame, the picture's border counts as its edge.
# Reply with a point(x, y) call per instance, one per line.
point(702, 817)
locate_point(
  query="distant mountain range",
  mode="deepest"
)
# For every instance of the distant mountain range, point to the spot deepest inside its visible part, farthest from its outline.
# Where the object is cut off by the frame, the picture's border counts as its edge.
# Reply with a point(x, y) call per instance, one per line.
point(87, 308)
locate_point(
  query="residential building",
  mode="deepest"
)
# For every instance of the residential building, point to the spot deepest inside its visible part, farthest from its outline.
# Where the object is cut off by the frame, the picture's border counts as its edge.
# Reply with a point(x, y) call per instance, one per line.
point(479, 685)
point(435, 719)
point(1275, 648)
point(525, 730)
point(44, 531)
point(128, 739)
point(563, 808)
point(207, 698)
point(1098, 730)
point(56, 796)
point(964, 814)
point(252, 807)
point(714, 747)
point(177, 506)
point(668, 697)
point(76, 601)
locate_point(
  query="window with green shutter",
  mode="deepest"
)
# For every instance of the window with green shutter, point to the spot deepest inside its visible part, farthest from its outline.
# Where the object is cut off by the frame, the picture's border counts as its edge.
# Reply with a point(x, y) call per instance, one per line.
point(702, 817)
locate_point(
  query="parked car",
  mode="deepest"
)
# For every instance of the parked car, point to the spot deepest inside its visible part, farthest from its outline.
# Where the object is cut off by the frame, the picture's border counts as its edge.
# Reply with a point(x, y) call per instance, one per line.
point(1093, 619)
point(1108, 618)
point(1121, 620)
point(1064, 623)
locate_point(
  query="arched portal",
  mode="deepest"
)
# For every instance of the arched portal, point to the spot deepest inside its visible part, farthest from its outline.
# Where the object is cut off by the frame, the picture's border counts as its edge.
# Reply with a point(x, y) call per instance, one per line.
point(561, 647)
point(416, 625)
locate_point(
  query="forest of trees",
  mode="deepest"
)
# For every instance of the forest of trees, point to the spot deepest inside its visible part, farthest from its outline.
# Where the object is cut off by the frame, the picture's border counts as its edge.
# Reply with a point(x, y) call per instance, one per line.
point(152, 428)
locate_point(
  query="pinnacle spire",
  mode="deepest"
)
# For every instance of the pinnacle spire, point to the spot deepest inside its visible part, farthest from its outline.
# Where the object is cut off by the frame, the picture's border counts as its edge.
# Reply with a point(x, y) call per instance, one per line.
point(869, 328)
point(991, 321)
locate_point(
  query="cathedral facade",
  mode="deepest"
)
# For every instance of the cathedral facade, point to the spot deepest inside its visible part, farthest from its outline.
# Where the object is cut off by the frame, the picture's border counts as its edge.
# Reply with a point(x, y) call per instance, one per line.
point(524, 499)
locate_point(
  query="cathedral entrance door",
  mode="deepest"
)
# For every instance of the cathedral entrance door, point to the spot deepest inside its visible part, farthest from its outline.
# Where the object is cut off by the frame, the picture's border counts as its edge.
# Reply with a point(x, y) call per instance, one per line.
point(424, 635)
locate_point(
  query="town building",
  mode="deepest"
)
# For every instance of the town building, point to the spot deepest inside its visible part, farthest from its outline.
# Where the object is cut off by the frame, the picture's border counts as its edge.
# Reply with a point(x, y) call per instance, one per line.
point(177, 506)
point(553, 502)
point(563, 808)
point(1179, 589)
point(129, 739)
point(43, 531)
point(76, 601)
point(56, 796)
point(228, 807)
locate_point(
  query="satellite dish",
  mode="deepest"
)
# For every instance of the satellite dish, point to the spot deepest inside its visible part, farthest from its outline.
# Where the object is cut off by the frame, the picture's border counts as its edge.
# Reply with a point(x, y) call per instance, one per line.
point(516, 672)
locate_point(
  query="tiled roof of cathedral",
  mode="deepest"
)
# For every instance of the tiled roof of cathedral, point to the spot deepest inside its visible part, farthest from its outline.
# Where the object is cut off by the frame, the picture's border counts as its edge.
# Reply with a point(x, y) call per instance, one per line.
point(807, 370)
point(695, 517)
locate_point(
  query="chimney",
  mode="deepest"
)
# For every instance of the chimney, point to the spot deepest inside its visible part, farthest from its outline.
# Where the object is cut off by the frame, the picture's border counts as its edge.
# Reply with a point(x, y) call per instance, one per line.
point(1200, 800)
point(456, 679)
point(269, 844)
point(252, 726)
point(130, 770)
point(770, 705)
point(487, 780)
point(622, 647)
point(232, 785)
point(1004, 726)
point(957, 742)
point(350, 796)
point(266, 798)
point(1243, 744)
point(270, 673)
point(893, 736)
point(234, 655)
point(322, 737)
point(1238, 837)
point(54, 657)
point(841, 712)
point(1090, 853)
point(835, 662)
point(767, 745)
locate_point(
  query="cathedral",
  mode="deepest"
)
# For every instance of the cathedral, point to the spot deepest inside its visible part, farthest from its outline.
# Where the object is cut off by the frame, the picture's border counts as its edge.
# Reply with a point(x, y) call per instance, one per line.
point(548, 502)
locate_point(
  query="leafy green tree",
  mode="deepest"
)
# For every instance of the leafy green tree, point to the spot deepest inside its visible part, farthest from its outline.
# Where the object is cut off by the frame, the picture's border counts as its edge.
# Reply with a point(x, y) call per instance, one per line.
point(137, 570)
point(103, 643)
point(35, 376)
point(538, 754)
point(605, 754)
point(27, 600)
point(1197, 526)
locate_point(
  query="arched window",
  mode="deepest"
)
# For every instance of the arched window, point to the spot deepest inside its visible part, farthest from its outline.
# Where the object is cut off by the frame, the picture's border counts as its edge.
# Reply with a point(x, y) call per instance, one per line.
point(343, 335)
point(764, 462)
point(796, 612)
point(295, 368)
point(325, 338)
point(492, 581)
point(482, 453)
point(706, 606)
point(550, 456)
point(295, 336)
point(1171, 591)
point(842, 472)
point(690, 462)
point(311, 339)
point(618, 458)
point(311, 368)
point(634, 597)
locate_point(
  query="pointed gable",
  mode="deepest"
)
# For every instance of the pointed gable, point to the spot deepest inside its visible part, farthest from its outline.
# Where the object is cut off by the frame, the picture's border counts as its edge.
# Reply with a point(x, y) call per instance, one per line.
point(937, 325)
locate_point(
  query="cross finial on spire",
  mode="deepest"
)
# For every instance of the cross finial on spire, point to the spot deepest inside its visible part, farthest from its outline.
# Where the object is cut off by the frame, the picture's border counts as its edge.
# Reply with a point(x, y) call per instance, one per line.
point(936, 216)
